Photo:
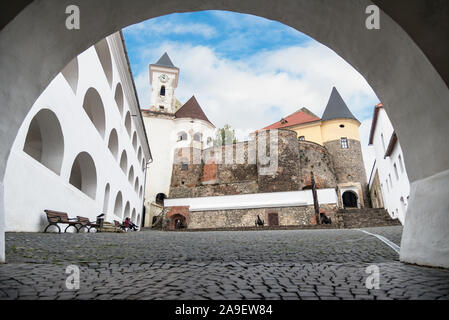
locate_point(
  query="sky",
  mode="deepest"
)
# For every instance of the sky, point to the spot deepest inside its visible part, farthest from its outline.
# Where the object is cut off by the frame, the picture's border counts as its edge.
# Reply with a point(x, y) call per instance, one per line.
point(247, 71)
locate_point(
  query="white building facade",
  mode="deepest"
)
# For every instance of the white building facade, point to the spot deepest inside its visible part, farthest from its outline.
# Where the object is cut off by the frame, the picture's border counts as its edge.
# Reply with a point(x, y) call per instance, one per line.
point(82, 148)
point(389, 165)
point(177, 126)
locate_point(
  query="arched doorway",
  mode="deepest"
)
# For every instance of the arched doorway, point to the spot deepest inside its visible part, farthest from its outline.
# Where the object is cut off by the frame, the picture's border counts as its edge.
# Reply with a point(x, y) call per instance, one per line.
point(336, 24)
point(160, 197)
point(178, 222)
point(350, 199)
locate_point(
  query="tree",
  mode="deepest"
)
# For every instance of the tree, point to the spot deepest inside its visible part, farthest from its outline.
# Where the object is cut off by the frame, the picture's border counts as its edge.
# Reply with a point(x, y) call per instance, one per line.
point(225, 136)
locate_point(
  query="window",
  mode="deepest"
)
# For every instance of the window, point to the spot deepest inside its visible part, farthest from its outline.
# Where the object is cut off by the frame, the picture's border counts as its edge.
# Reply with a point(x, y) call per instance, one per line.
point(184, 166)
point(344, 143)
point(302, 138)
point(396, 171)
point(342, 126)
point(209, 141)
point(162, 93)
point(182, 136)
point(162, 108)
point(401, 165)
point(197, 137)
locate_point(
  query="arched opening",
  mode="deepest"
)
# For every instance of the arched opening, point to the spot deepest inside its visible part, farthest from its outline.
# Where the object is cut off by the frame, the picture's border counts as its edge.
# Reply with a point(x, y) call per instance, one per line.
point(118, 205)
point(198, 137)
point(178, 222)
point(118, 96)
point(160, 197)
point(113, 143)
point(106, 199)
point(162, 93)
point(182, 136)
point(128, 123)
point(124, 162)
point(104, 54)
point(133, 215)
point(83, 175)
point(140, 192)
point(95, 110)
point(139, 154)
point(349, 199)
point(70, 73)
point(131, 175)
point(134, 141)
point(394, 35)
point(136, 185)
point(127, 211)
point(44, 141)
point(138, 220)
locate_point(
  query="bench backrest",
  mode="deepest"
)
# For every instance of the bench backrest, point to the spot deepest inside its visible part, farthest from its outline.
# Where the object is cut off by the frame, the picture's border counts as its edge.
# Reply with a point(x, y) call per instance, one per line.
point(83, 220)
point(56, 215)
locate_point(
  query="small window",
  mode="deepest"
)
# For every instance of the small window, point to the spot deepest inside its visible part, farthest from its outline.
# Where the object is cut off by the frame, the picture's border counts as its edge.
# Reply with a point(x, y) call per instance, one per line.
point(197, 137)
point(184, 166)
point(162, 108)
point(342, 126)
point(302, 138)
point(401, 164)
point(344, 143)
point(396, 171)
point(209, 141)
point(162, 91)
point(182, 136)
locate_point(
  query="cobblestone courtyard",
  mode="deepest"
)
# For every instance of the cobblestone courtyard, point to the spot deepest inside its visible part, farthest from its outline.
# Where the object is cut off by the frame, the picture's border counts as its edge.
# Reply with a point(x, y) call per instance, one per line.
point(293, 264)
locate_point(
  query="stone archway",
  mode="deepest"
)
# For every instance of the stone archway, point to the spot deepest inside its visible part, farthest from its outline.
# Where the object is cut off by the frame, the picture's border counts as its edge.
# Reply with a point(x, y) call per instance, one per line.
point(178, 222)
point(37, 44)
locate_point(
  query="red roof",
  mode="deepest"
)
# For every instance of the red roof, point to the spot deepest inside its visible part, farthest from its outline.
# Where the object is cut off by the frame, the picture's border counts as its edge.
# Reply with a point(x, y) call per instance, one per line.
point(299, 117)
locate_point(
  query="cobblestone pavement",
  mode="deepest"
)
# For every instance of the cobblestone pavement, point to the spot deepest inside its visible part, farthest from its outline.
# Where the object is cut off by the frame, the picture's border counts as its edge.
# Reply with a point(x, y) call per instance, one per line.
point(293, 264)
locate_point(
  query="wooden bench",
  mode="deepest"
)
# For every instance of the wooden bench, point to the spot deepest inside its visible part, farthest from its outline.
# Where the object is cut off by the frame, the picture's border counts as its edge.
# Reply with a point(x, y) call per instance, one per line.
point(56, 217)
point(119, 225)
point(87, 224)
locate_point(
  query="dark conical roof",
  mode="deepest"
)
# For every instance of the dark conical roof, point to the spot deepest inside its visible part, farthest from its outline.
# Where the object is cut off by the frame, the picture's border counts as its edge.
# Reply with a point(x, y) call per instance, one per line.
point(192, 109)
point(164, 61)
point(336, 108)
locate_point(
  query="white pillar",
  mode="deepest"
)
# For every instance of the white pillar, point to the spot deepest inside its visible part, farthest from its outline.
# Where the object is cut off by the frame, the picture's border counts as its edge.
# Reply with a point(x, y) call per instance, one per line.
point(425, 239)
point(2, 226)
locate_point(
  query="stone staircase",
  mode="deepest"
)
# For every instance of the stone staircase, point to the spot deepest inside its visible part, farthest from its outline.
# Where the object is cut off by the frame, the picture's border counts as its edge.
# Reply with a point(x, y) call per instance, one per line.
point(364, 218)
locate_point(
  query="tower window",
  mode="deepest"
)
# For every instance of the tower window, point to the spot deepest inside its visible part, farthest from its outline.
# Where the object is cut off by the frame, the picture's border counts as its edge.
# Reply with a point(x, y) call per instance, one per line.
point(162, 91)
point(302, 138)
point(161, 108)
point(184, 166)
point(344, 143)
point(342, 126)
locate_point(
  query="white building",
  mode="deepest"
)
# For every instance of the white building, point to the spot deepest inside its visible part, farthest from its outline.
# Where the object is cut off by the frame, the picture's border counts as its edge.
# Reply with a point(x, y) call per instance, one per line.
point(176, 126)
point(82, 149)
point(389, 165)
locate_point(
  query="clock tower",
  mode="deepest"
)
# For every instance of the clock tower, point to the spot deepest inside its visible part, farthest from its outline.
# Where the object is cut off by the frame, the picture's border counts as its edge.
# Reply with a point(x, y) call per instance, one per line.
point(164, 80)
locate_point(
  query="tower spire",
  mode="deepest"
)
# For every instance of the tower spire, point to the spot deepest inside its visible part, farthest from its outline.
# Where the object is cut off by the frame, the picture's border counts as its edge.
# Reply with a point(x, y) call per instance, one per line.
point(336, 108)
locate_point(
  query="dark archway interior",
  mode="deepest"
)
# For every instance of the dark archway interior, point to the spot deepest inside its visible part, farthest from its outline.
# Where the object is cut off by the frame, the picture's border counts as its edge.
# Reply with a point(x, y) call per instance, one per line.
point(349, 199)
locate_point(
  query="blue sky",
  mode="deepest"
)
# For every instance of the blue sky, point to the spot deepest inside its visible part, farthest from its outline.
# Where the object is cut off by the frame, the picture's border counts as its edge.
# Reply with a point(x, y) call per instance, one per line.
point(245, 70)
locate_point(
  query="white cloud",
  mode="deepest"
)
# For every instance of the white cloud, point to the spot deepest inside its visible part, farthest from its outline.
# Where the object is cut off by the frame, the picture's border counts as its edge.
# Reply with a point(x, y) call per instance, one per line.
point(252, 93)
point(158, 27)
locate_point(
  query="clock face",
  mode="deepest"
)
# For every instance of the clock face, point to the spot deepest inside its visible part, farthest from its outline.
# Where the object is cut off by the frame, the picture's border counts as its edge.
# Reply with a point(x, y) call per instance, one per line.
point(163, 77)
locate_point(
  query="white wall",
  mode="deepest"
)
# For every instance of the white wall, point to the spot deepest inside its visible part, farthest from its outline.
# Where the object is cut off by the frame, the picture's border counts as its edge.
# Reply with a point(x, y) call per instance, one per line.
point(30, 187)
point(400, 187)
point(257, 200)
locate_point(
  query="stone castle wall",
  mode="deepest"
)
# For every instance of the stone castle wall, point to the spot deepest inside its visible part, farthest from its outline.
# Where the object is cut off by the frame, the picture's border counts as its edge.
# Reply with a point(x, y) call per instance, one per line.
point(316, 158)
point(239, 218)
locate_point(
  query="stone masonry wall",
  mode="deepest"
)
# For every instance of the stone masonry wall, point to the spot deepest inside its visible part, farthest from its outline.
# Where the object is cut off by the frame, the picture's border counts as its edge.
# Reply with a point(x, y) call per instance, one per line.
point(288, 216)
point(314, 157)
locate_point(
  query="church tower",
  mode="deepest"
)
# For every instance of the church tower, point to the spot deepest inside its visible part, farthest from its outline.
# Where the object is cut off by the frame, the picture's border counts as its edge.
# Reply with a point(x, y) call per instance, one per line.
point(340, 134)
point(164, 80)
